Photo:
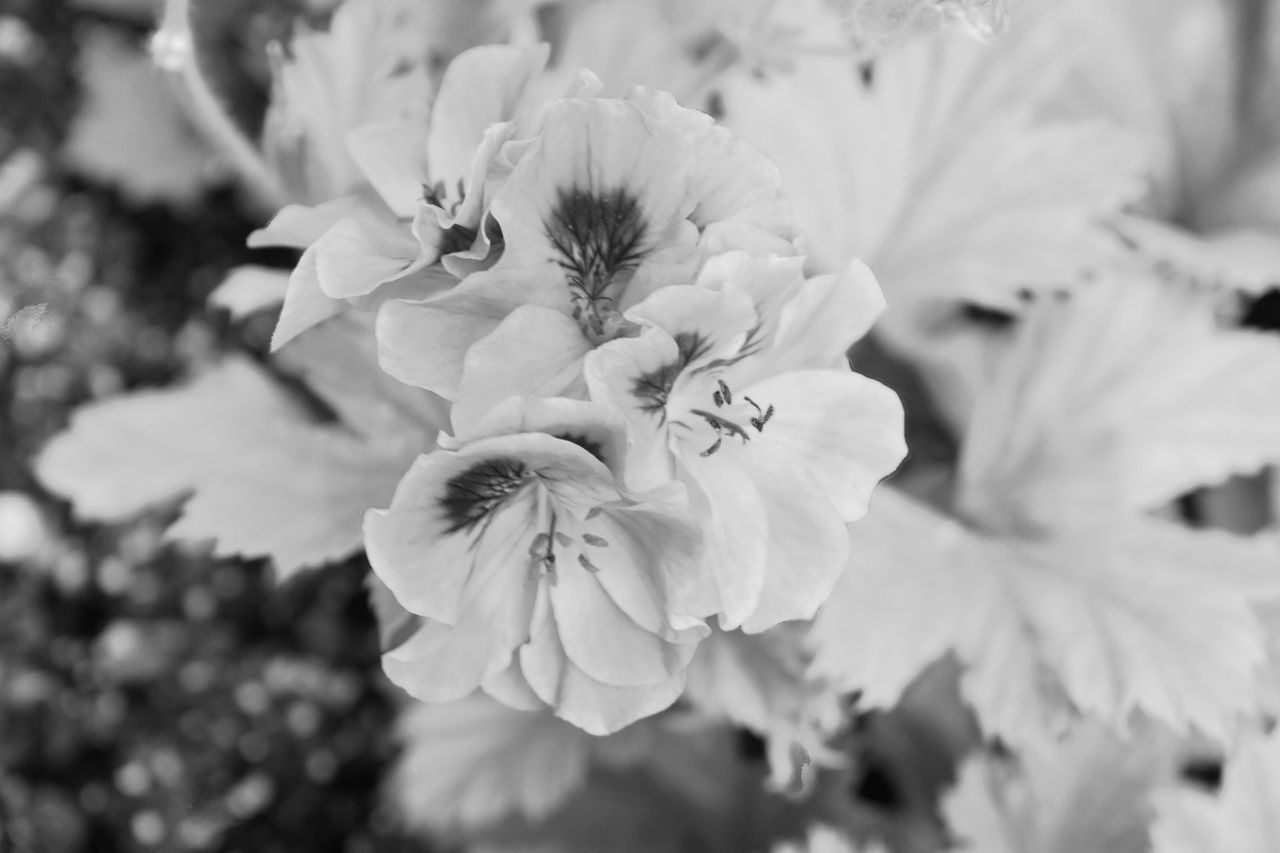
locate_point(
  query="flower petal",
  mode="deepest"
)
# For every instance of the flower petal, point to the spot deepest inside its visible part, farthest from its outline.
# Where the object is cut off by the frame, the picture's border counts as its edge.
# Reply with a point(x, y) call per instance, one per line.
point(298, 226)
point(391, 156)
point(481, 87)
point(824, 318)
point(577, 697)
point(305, 304)
point(711, 325)
point(808, 542)
point(602, 640)
point(844, 430)
point(736, 526)
point(652, 567)
point(423, 343)
point(534, 350)
point(359, 253)
point(409, 545)
point(634, 377)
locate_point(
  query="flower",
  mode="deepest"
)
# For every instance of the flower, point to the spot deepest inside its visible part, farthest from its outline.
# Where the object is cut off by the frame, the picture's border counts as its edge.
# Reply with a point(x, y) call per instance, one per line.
point(743, 402)
point(592, 222)
point(538, 577)
point(420, 199)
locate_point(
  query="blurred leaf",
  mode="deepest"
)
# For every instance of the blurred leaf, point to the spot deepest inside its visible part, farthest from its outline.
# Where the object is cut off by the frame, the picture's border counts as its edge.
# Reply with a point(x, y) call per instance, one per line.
point(1132, 615)
point(1087, 793)
point(1115, 401)
point(758, 681)
point(131, 131)
point(249, 289)
point(263, 480)
point(470, 764)
point(1243, 818)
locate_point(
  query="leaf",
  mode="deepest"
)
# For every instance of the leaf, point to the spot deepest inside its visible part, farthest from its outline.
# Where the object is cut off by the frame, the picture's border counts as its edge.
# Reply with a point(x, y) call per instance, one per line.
point(1087, 793)
point(470, 764)
point(1244, 258)
point(673, 785)
point(1120, 399)
point(940, 174)
point(131, 131)
point(1136, 615)
point(758, 681)
point(263, 479)
point(1243, 818)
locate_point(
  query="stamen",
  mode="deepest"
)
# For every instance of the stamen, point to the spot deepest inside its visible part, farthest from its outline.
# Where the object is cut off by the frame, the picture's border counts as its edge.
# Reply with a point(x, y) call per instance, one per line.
point(542, 554)
point(723, 396)
point(762, 417)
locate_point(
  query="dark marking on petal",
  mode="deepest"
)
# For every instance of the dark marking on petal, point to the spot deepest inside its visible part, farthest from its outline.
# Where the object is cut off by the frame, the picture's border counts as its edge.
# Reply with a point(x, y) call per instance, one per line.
point(598, 235)
point(653, 388)
point(472, 495)
point(590, 445)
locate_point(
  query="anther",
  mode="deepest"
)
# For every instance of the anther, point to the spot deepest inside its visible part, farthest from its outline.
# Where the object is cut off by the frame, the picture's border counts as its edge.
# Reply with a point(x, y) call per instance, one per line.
point(762, 416)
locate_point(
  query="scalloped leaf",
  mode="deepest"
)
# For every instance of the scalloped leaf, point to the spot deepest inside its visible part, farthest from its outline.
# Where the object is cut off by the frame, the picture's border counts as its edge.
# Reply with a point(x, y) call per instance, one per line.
point(1136, 615)
point(263, 479)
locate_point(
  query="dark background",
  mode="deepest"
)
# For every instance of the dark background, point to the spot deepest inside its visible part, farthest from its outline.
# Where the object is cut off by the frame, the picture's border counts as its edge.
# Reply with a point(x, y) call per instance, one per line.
point(153, 698)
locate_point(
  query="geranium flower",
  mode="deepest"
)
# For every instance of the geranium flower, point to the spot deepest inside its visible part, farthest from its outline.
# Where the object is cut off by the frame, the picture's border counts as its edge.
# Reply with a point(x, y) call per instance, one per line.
point(592, 222)
point(778, 448)
point(424, 197)
point(537, 576)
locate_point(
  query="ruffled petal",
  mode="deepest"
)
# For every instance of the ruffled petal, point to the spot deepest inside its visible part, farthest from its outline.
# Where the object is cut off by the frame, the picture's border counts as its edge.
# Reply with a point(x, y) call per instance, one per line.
point(712, 326)
point(481, 87)
point(733, 182)
point(577, 697)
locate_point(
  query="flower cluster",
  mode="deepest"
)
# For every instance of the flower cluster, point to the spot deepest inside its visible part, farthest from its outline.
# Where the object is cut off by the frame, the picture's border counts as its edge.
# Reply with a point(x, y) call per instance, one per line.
point(652, 417)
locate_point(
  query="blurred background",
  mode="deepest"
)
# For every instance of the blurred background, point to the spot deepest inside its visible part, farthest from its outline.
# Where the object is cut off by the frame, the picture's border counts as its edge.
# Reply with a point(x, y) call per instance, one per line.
point(151, 698)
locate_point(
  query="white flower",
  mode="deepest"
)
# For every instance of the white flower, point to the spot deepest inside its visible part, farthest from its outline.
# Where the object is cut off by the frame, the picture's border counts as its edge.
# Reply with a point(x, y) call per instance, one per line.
point(592, 222)
point(778, 447)
point(536, 577)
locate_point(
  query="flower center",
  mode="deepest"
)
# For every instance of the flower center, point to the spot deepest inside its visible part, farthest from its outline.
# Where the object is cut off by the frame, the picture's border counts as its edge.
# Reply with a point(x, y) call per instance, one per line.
point(721, 422)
